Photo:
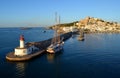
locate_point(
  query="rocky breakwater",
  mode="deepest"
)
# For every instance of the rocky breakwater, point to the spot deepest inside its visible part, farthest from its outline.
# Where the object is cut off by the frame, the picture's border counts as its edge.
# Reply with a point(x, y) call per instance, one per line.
point(42, 45)
point(91, 24)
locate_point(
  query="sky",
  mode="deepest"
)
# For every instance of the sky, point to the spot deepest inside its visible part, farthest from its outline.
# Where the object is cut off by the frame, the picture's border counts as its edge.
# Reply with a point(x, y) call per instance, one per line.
point(24, 13)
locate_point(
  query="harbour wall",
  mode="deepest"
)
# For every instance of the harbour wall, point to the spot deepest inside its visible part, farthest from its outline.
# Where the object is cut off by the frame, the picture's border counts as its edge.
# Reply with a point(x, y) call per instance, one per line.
point(42, 45)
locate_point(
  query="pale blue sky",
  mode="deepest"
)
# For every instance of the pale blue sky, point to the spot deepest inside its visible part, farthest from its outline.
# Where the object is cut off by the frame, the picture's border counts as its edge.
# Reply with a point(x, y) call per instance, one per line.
point(41, 12)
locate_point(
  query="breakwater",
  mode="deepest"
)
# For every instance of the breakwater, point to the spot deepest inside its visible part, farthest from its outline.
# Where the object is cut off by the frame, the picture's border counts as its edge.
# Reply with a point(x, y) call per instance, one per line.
point(42, 45)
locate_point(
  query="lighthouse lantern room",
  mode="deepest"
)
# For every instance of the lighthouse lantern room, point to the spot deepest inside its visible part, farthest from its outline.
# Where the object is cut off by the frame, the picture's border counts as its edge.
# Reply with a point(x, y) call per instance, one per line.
point(22, 41)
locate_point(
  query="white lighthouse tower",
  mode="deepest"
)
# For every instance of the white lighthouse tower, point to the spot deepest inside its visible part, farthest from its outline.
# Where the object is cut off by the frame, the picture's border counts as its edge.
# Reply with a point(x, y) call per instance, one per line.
point(24, 49)
point(21, 50)
point(22, 45)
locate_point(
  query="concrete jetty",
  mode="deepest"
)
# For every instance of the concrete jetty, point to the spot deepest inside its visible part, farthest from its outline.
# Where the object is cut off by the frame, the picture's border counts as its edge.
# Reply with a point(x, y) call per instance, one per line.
point(42, 45)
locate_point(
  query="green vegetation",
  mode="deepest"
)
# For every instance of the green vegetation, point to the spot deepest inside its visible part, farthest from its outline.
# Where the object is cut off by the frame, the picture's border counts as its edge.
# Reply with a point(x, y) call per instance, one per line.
point(64, 25)
point(68, 24)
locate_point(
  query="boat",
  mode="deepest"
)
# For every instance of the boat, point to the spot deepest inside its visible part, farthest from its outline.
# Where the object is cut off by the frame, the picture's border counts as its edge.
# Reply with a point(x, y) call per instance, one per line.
point(57, 42)
point(55, 47)
point(81, 37)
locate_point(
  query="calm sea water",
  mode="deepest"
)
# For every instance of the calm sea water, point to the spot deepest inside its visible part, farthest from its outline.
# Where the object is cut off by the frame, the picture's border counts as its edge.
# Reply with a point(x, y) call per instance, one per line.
point(96, 57)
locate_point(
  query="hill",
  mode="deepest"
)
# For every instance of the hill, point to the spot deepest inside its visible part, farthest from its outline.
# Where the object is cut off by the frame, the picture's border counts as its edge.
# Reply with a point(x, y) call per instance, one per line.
point(91, 24)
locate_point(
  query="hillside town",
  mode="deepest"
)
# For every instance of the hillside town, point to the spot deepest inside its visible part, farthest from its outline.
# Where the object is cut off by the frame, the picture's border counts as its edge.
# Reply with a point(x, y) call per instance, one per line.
point(98, 25)
point(90, 24)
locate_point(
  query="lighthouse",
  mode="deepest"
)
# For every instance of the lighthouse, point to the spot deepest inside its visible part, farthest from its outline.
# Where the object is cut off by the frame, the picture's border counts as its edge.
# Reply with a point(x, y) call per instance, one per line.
point(22, 45)
point(23, 49)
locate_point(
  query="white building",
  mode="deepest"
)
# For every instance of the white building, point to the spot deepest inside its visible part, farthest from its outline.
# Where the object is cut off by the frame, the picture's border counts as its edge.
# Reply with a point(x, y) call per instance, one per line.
point(70, 29)
point(73, 29)
point(66, 29)
point(24, 49)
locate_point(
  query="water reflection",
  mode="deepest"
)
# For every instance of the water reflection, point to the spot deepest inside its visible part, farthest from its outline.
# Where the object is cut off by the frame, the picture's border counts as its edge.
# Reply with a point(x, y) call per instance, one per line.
point(51, 57)
point(73, 36)
point(20, 69)
point(54, 59)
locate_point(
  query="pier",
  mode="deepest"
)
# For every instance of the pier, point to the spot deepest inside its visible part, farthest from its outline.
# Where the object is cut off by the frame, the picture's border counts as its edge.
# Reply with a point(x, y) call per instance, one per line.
point(42, 45)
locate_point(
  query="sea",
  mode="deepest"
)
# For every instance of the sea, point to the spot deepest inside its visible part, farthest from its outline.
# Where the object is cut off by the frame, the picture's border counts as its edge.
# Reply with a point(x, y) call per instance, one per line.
point(98, 56)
